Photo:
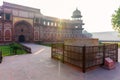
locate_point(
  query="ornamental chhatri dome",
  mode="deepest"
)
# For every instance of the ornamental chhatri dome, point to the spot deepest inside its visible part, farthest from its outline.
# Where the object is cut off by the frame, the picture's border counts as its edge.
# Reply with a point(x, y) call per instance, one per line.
point(76, 14)
point(26, 24)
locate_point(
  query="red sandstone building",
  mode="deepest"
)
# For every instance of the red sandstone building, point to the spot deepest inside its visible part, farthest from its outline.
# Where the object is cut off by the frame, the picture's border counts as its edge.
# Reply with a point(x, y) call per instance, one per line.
point(26, 24)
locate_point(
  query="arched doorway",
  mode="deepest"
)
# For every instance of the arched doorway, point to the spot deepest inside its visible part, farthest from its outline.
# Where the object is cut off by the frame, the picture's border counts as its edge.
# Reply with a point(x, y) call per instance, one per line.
point(21, 38)
point(23, 32)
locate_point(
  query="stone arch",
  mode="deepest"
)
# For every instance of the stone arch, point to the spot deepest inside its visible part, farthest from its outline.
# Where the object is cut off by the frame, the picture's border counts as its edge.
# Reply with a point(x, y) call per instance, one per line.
point(25, 29)
point(7, 34)
point(21, 38)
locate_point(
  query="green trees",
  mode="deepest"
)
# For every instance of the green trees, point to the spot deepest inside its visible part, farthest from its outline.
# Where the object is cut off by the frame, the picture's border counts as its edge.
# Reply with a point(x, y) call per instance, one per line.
point(116, 20)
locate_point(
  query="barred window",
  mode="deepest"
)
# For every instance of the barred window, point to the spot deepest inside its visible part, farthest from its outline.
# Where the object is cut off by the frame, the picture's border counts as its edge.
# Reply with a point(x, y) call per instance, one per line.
point(7, 16)
point(55, 24)
point(44, 22)
point(48, 23)
point(51, 23)
point(37, 20)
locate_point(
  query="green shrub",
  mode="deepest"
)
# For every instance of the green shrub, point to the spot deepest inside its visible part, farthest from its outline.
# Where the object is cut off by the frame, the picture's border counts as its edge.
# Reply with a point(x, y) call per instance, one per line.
point(12, 49)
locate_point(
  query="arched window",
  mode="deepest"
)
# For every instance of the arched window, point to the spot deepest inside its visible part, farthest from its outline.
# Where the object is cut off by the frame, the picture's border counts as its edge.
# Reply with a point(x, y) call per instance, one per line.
point(7, 33)
point(48, 23)
point(44, 23)
point(55, 24)
point(51, 23)
point(36, 20)
point(76, 26)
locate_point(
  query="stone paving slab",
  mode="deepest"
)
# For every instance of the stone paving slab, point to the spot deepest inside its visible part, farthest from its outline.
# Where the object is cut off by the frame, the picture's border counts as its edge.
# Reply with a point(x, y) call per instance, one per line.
point(40, 66)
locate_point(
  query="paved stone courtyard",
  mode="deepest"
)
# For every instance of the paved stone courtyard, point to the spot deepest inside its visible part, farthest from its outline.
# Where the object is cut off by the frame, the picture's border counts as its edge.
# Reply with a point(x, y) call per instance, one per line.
point(40, 66)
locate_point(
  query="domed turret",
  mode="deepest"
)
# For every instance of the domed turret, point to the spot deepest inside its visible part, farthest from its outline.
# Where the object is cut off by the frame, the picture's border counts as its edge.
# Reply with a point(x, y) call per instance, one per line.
point(76, 14)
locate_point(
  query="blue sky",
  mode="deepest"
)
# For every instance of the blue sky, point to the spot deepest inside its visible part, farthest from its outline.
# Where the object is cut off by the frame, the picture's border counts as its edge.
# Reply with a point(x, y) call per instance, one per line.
point(96, 13)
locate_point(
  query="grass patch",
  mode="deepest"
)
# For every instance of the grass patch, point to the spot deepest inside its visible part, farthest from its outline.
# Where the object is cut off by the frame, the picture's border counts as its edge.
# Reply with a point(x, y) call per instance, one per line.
point(12, 49)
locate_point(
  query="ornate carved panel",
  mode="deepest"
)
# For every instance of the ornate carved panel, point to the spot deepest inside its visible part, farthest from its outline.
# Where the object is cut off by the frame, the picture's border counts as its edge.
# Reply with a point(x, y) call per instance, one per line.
point(23, 14)
point(6, 10)
point(36, 28)
point(36, 36)
point(15, 12)
point(7, 35)
point(0, 25)
point(7, 25)
point(30, 15)
point(0, 33)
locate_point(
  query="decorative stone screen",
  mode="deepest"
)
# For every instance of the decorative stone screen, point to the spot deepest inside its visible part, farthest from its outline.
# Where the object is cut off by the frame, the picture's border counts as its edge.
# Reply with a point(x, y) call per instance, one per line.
point(81, 42)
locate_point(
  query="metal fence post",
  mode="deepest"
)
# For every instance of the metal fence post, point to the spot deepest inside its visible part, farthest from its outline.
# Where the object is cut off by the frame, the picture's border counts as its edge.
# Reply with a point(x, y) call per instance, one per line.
point(63, 52)
point(84, 60)
point(104, 50)
point(52, 50)
point(117, 53)
point(1, 56)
